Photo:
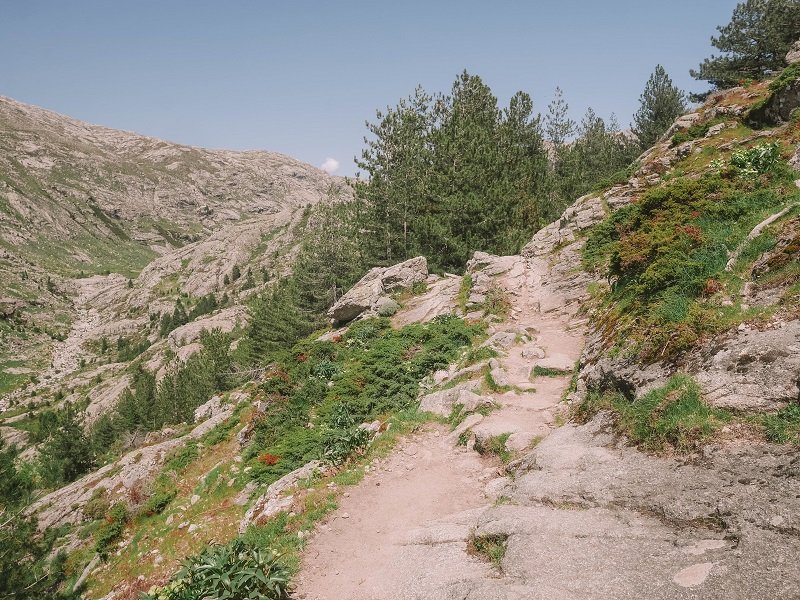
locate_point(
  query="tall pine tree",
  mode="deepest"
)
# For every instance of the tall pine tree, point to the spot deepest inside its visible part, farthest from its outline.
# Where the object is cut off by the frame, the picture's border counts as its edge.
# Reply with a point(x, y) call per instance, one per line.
point(756, 40)
point(660, 104)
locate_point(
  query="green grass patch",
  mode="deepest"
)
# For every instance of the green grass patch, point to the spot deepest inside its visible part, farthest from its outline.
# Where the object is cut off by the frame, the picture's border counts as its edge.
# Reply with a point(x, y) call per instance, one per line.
point(673, 417)
point(539, 371)
point(496, 446)
point(783, 427)
point(464, 291)
point(489, 547)
point(665, 257)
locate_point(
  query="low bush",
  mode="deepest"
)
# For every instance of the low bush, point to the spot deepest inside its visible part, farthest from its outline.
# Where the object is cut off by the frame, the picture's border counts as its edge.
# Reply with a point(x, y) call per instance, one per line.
point(112, 529)
point(237, 570)
point(665, 256)
point(495, 445)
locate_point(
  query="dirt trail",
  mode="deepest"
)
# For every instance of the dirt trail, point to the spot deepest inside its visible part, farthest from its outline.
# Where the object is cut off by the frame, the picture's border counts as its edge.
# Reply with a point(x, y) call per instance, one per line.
point(403, 531)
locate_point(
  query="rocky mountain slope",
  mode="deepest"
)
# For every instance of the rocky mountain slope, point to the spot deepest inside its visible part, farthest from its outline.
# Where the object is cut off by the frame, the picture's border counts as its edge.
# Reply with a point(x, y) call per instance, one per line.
point(613, 410)
point(101, 231)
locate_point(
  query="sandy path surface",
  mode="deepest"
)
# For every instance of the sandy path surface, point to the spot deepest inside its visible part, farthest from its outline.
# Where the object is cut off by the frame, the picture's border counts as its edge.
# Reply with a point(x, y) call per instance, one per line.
point(403, 531)
point(356, 553)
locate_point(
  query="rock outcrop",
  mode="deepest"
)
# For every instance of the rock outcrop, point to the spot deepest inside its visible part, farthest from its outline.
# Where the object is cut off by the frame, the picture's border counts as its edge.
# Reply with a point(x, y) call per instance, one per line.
point(132, 471)
point(274, 499)
point(793, 56)
point(371, 292)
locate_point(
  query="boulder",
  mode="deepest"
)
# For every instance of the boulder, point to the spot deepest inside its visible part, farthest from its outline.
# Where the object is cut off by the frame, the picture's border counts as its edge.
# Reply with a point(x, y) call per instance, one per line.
point(273, 501)
point(501, 340)
point(371, 291)
point(751, 370)
point(208, 409)
point(794, 54)
point(405, 274)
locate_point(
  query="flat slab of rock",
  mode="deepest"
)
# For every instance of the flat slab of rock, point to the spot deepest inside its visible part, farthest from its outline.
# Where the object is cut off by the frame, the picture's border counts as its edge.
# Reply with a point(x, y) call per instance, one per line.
point(443, 401)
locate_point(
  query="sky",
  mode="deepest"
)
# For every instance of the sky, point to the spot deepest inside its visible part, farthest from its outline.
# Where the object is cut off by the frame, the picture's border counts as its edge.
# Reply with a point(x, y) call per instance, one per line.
point(301, 77)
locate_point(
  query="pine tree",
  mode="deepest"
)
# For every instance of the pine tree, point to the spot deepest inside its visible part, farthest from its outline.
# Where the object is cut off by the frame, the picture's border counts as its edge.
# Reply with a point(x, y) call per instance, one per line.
point(558, 126)
point(756, 40)
point(660, 104)
point(68, 453)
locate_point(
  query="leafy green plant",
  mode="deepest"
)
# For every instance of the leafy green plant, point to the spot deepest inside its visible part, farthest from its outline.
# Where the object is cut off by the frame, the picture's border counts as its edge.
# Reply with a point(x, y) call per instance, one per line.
point(751, 162)
point(496, 303)
point(235, 571)
point(344, 437)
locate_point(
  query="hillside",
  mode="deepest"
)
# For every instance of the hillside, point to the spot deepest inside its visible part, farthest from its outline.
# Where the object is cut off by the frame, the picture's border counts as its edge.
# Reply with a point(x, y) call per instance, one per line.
point(101, 229)
point(613, 409)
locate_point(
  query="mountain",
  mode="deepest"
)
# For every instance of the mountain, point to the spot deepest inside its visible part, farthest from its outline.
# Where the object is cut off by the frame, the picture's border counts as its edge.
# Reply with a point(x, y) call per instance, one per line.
point(615, 408)
point(99, 229)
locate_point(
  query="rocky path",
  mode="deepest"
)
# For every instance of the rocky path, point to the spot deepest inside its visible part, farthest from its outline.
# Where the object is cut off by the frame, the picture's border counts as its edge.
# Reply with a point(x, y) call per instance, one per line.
point(404, 531)
point(580, 514)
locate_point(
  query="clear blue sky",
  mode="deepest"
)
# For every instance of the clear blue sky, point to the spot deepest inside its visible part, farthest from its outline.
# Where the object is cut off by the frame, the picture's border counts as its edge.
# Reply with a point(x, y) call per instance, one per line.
point(301, 76)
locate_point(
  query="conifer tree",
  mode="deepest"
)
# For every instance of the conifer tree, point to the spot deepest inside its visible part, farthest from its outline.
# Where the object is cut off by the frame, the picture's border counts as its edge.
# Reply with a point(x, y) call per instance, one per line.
point(558, 126)
point(660, 104)
point(756, 40)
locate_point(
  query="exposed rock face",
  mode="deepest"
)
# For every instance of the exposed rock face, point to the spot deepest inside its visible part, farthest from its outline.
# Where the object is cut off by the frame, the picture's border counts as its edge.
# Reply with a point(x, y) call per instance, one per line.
point(134, 469)
point(751, 369)
point(273, 501)
point(365, 297)
point(778, 108)
point(793, 56)
point(82, 199)
point(128, 178)
point(656, 524)
point(225, 321)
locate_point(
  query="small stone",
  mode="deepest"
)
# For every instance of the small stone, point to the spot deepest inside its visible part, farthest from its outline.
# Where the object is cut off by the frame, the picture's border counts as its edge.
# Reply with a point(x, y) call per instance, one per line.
point(192, 528)
point(194, 499)
point(345, 516)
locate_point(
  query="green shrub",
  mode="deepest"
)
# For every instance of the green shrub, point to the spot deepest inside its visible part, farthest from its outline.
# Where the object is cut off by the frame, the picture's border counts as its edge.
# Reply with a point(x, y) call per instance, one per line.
point(788, 76)
point(343, 437)
point(751, 162)
point(665, 256)
point(112, 529)
point(180, 458)
point(97, 506)
point(388, 309)
point(237, 570)
point(163, 494)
